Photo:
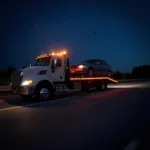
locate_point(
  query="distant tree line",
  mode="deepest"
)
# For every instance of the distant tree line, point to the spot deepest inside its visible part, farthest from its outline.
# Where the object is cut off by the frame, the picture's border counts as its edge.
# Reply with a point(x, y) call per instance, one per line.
point(137, 72)
point(7, 73)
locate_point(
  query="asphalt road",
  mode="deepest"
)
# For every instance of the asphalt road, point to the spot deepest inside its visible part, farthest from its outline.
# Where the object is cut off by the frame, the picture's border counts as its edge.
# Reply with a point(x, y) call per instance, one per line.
point(101, 120)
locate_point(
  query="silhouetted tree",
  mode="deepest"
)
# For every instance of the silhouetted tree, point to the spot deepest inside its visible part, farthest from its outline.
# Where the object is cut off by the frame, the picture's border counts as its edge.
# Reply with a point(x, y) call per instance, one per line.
point(125, 75)
point(117, 75)
point(141, 71)
point(10, 69)
point(128, 76)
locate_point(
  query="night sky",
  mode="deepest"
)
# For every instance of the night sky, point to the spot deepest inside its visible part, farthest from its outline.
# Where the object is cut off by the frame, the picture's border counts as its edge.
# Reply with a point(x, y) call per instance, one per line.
point(29, 28)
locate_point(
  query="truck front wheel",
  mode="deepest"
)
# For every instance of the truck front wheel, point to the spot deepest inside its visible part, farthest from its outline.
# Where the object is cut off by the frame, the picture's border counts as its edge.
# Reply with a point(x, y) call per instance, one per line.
point(44, 92)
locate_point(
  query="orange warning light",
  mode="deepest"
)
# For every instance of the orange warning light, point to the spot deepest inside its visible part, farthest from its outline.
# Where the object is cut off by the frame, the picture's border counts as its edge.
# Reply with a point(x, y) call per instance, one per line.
point(94, 78)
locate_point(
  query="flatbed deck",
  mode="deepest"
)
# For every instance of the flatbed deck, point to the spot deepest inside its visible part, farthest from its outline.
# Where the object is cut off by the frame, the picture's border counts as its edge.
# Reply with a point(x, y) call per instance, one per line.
point(92, 79)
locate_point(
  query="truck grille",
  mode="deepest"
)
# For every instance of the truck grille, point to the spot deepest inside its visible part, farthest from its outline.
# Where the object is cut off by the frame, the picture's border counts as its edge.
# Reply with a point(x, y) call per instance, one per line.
point(16, 78)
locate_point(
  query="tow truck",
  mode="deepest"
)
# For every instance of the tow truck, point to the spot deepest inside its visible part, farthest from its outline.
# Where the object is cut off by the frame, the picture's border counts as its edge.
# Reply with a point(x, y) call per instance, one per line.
point(52, 75)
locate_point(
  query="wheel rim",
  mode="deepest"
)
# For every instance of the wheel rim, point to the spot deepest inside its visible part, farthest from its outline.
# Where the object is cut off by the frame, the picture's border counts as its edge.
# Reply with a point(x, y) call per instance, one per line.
point(44, 93)
point(90, 73)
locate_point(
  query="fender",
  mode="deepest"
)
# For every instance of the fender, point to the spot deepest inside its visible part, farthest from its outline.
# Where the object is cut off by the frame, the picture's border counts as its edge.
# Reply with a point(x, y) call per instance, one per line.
point(46, 82)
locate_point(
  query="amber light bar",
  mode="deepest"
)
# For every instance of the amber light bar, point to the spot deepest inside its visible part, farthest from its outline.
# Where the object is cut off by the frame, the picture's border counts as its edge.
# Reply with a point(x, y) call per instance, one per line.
point(94, 78)
point(59, 54)
point(52, 54)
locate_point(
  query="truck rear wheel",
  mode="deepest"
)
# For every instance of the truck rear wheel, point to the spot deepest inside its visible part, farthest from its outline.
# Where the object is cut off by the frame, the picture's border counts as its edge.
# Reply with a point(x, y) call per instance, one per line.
point(102, 85)
point(44, 92)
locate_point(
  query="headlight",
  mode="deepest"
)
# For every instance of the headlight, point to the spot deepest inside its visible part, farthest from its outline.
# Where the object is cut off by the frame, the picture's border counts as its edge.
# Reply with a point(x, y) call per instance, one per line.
point(81, 66)
point(42, 72)
point(27, 82)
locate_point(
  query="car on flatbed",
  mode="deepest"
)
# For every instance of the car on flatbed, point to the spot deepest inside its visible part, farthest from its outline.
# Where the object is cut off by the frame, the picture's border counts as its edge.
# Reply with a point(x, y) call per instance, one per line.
point(92, 68)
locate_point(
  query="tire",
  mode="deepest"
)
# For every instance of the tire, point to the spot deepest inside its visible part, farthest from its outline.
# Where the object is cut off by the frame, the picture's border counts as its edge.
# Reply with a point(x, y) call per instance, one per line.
point(88, 84)
point(102, 85)
point(44, 92)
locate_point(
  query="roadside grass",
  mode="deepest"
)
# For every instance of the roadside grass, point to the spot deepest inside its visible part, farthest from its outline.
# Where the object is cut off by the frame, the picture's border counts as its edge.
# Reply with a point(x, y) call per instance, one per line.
point(4, 81)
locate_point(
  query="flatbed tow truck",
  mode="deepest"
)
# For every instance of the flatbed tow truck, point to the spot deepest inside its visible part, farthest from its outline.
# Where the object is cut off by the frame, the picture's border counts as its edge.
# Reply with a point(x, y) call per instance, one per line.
point(52, 75)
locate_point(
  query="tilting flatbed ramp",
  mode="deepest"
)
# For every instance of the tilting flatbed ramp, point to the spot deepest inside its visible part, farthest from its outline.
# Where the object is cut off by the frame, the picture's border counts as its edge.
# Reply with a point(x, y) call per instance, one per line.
point(93, 78)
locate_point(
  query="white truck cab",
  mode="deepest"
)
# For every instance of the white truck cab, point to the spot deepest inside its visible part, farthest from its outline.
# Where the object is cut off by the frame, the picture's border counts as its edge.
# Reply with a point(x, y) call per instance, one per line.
point(49, 75)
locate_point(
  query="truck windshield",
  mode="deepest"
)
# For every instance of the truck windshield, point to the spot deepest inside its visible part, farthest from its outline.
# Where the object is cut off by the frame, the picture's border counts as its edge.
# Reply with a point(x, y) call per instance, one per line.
point(43, 61)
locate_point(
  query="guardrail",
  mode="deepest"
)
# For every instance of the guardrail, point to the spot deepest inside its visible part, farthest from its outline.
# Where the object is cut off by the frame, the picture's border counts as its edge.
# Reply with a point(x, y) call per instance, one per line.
point(8, 88)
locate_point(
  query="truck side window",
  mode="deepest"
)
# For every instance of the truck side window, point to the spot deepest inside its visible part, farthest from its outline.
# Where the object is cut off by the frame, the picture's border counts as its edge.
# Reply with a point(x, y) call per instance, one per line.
point(59, 63)
point(53, 64)
point(56, 63)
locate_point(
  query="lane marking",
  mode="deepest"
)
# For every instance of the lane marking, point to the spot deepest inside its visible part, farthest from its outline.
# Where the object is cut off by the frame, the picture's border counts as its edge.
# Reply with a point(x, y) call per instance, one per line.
point(39, 103)
point(132, 145)
point(54, 100)
point(9, 108)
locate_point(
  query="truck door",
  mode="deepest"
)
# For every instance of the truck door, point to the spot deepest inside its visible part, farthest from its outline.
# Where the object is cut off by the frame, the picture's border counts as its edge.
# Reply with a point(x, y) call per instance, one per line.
point(56, 70)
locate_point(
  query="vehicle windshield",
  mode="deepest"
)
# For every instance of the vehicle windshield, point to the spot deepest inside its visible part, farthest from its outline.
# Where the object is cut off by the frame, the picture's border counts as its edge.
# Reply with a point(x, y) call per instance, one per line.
point(43, 61)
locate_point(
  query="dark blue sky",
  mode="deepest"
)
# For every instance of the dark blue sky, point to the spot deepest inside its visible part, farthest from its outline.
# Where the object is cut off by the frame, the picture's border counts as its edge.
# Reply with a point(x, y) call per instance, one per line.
point(122, 31)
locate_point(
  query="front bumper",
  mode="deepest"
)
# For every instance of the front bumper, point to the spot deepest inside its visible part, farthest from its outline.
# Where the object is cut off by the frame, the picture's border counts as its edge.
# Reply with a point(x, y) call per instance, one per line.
point(19, 90)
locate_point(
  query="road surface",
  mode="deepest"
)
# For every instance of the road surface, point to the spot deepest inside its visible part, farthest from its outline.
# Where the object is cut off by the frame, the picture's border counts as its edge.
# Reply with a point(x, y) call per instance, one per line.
point(101, 120)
